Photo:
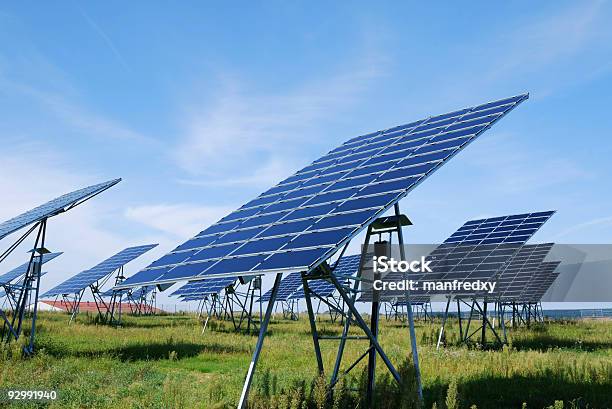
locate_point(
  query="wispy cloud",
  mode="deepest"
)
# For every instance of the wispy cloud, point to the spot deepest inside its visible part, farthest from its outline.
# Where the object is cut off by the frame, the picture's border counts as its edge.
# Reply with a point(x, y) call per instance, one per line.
point(515, 167)
point(259, 139)
point(176, 220)
point(599, 223)
point(105, 37)
point(560, 35)
point(74, 114)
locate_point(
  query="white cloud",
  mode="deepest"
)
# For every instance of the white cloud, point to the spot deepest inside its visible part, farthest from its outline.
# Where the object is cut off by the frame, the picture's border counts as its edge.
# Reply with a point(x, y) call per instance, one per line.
point(516, 167)
point(260, 139)
point(177, 220)
point(550, 39)
point(31, 175)
point(595, 224)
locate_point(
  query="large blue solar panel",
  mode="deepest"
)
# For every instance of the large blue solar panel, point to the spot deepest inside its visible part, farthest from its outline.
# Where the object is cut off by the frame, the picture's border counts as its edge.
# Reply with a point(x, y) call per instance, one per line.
point(288, 286)
point(520, 270)
point(202, 289)
point(295, 225)
point(22, 269)
point(84, 279)
point(55, 206)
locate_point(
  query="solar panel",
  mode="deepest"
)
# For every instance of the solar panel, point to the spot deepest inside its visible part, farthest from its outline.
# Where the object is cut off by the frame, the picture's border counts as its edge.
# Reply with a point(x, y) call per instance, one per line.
point(541, 281)
point(201, 289)
point(16, 286)
point(142, 291)
point(85, 278)
point(417, 299)
point(22, 269)
point(55, 206)
point(478, 250)
point(346, 268)
point(481, 248)
point(288, 286)
point(303, 220)
point(520, 270)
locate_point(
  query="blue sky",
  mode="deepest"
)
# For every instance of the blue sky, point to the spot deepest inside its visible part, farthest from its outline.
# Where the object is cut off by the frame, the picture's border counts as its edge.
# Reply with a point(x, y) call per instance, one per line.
point(201, 107)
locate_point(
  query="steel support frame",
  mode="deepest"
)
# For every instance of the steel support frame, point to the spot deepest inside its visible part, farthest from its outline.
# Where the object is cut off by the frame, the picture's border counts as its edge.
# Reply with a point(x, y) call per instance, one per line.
point(348, 296)
point(28, 294)
point(479, 309)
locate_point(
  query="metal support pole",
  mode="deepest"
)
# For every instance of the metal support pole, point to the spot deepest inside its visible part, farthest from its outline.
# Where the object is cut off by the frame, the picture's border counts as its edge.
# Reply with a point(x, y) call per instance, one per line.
point(372, 353)
point(347, 321)
point(413, 343)
point(367, 331)
point(484, 322)
point(313, 325)
point(242, 404)
point(443, 323)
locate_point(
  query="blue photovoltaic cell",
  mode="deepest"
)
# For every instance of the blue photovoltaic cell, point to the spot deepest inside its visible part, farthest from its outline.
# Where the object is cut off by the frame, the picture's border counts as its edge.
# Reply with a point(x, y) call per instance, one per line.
point(520, 270)
point(22, 269)
point(53, 207)
point(202, 289)
point(287, 286)
point(541, 282)
point(84, 279)
point(346, 268)
point(367, 174)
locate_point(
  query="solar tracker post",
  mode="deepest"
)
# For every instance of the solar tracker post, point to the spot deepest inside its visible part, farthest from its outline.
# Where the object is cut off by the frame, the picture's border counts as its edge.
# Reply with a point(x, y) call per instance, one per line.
point(443, 322)
point(12, 329)
point(415, 354)
point(313, 325)
point(347, 322)
point(381, 248)
point(242, 403)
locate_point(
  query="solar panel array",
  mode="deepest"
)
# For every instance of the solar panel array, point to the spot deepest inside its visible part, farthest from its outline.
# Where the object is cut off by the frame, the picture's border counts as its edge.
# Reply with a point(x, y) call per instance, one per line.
point(142, 292)
point(478, 250)
point(86, 278)
point(15, 286)
point(22, 269)
point(302, 221)
point(542, 280)
point(481, 248)
point(346, 268)
point(200, 289)
point(134, 292)
point(520, 270)
point(417, 299)
point(287, 286)
point(52, 207)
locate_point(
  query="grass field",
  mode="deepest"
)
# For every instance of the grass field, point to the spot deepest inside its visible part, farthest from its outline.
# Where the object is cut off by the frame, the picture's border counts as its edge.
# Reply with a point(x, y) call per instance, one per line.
point(165, 362)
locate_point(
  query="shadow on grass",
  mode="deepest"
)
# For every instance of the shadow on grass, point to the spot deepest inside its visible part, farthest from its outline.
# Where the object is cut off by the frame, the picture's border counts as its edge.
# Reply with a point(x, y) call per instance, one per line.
point(537, 392)
point(148, 352)
point(545, 342)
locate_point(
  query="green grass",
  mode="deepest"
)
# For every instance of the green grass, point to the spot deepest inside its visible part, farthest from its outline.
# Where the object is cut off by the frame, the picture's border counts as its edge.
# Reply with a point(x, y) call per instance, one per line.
point(165, 362)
